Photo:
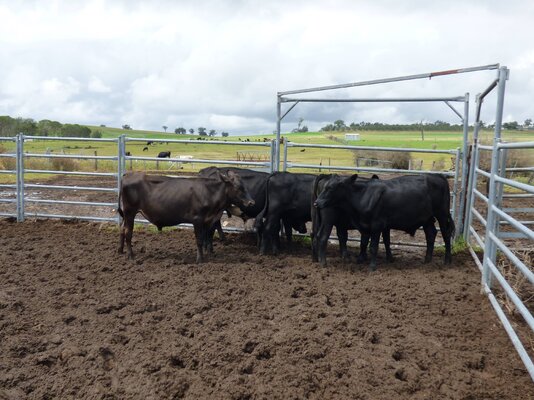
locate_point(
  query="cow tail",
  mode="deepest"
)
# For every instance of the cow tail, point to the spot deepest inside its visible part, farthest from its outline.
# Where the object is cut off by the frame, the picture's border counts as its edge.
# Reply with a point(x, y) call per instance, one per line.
point(258, 223)
point(119, 209)
point(316, 216)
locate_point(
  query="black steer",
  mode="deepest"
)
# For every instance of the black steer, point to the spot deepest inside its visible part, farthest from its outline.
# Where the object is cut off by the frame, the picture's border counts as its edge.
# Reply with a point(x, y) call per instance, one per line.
point(164, 154)
point(404, 203)
point(166, 201)
point(256, 184)
point(325, 218)
point(288, 198)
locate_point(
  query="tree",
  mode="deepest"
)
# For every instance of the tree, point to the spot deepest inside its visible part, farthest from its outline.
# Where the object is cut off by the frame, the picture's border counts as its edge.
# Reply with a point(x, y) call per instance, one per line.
point(224, 134)
point(180, 131)
point(528, 123)
point(96, 134)
point(212, 132)
point(126, 127)
point(75, 130)
point(510, 125)
point(202, 131)
point(191, 131)
point(165, 128)
point(339, 125)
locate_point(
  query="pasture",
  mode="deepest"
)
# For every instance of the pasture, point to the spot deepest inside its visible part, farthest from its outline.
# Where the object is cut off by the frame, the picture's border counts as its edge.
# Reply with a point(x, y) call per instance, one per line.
point(433, 140)
point(80, 321)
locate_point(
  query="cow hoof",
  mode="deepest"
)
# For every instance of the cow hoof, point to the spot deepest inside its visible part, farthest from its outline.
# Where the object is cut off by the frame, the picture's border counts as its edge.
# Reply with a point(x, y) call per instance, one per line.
point(447, 261)
point(361, 260)
point(372, 268)
point(390, 259)
point(120, 251)
point(427, 260)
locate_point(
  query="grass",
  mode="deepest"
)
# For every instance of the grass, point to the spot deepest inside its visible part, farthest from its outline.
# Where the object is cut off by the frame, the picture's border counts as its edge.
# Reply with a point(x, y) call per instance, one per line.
point(211, 150)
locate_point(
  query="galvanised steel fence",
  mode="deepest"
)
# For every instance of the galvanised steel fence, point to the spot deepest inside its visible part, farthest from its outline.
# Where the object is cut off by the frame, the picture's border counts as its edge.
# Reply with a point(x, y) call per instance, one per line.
point(21, 193)
point(488, 234)
point(499, 227)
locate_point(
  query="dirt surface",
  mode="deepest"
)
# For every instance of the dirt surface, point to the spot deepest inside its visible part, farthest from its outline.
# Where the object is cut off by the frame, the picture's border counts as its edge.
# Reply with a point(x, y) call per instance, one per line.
point(77, 320)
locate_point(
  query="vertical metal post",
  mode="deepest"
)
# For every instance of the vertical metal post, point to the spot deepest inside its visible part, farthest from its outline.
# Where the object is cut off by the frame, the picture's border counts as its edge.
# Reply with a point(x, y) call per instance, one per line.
point(455, 189)
point(120, 160)
point(20, 176)
point(463, 186)
point(286, 145)
point(490, 251)
point(472, 178)
point(278, 128)
point(273, 155)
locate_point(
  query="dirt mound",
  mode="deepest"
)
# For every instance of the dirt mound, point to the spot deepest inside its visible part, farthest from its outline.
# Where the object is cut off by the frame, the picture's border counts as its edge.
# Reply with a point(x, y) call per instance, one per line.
point(77, 320)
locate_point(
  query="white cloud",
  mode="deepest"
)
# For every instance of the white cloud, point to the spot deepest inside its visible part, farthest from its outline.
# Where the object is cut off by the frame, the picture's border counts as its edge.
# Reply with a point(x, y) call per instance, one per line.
point(220, 63)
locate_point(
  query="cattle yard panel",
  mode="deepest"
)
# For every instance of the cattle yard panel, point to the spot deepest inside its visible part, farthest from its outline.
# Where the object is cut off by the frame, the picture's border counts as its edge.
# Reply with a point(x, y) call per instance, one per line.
point(21, 188)
point(492, 239)
point(11, 172)
point(455, 174)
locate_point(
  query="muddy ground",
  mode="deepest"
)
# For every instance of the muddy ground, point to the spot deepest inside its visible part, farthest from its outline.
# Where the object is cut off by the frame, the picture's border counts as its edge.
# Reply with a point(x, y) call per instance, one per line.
point(79, 321)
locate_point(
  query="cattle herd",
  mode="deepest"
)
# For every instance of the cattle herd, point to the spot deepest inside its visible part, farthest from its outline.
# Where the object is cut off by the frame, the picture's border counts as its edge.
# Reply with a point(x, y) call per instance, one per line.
point(370, 205)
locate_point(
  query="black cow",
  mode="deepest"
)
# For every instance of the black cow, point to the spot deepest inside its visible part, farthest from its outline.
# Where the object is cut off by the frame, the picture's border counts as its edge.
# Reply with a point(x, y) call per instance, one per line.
point(288, 198)
point(324, 219)
point(164, 154)
point(404, 203)
point(256, 184)
point(128, 153)
point(145, 148)
point(167, 201)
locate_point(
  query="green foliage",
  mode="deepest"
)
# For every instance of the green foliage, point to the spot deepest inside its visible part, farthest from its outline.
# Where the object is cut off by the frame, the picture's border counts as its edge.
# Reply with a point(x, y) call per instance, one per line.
point(510, 125)
point(75, 130)
point(96, 134)
point(212, 132)
point(126, 127)
point(224, 134)
point(180, 131)
point(202, 131)
point(340, 126)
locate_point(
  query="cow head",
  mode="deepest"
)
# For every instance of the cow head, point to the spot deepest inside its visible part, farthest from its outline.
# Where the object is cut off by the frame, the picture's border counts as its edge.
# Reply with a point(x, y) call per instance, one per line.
point(335, 190)
point(237, 193)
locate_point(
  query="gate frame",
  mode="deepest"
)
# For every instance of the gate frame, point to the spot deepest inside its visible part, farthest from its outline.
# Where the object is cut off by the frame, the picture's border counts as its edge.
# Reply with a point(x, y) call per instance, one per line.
point(281, 97)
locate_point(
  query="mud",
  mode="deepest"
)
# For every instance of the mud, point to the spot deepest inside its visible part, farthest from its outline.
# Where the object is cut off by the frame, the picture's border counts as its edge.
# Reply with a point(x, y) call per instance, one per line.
point(77, 320)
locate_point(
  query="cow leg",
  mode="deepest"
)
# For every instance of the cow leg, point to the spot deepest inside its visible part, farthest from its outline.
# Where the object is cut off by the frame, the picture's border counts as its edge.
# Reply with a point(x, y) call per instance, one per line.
point(343, 237)
point(375, 239)
point(127, 232)
point(446, 233)
point(200, 235)
point(387, 244)
point(364, 242)
point(220, 231)
point(430, 235)
point(322, 242)
point(271, 235)
point(288, 229)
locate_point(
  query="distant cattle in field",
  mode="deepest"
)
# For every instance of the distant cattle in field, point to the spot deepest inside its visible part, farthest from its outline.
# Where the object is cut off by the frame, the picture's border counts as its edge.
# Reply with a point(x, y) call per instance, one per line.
point(149, 142)
point(164, 154)
point(128, 154)
point(145, 148)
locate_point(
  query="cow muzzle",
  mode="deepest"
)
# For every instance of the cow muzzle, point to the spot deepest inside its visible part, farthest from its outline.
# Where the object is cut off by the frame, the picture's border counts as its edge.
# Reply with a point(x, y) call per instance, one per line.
point(249, 203)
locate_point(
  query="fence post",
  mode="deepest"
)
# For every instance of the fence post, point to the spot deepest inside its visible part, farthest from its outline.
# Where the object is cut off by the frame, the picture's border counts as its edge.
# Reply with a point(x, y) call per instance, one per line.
point(120, 160)
point(455, 190)
point(20, 176)
point(286, 145)
point(465, 171)
point(96, 161)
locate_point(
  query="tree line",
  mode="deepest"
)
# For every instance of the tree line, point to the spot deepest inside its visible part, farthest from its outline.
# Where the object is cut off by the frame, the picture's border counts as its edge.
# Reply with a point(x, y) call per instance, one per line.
point(340, 126)
point(201, 131)
point(12, 126)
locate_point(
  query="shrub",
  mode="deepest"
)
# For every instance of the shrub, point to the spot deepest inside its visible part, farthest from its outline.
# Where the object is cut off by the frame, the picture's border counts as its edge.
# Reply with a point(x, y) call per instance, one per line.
point(96, 134)
point(64, 164)
point(386, 159)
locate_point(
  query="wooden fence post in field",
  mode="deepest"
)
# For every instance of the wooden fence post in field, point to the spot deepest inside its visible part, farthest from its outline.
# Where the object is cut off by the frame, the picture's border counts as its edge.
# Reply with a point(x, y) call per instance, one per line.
point(96, 161)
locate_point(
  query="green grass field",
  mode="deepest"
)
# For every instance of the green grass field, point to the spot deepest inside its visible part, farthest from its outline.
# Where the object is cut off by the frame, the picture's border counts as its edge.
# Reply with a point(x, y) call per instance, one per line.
point(211, 150)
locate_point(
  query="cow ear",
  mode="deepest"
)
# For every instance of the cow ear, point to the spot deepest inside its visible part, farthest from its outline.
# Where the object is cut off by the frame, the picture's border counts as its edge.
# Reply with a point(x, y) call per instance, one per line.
point(353, 177)
point(375, 176)
point(223, 177)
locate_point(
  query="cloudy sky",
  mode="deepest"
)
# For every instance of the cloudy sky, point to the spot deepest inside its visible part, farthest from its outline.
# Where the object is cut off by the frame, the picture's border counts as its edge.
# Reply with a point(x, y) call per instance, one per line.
point(219, 64)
